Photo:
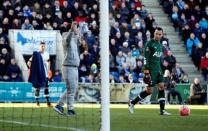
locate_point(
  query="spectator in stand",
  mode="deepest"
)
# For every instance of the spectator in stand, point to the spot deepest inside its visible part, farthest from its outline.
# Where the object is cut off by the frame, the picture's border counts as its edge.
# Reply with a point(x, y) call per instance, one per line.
point(175, 17)
point(203, 23)
point(124, 11)
point(14, 71)
point(178, 71)
point(149, 20)
point(197, 93)
point(119, 39)
point(3, 71)
point(171, 60)
point(182, 22)
point(204, 66)
point(4, 36)
point(192, 22)
point(121, 79)
point(135, 52)
point(90, 79)
point(192, 43)
point(95, 52)
point(90, 39)
point(6, 25)
point(143, 12)
point(185, 79)
point(37, 8)
point(6, 56)
point(27, 13)
point(125, 71)
point(26, 25)
point(130, 79)
point(4, 44)
point(165, 48)
point(180, 4)
point(138, 38)
point(204, 41)
point(186, 31)
point(165, 38)
point(57, 76)
point(130, 60)
point(86, 59)
point(16, 24)
point(198, 52)
point(136, 20)
point(120, 59)
point(173, 92)
point(198, 30)
point(167, 6)
point(125, 48)
point(114, 48)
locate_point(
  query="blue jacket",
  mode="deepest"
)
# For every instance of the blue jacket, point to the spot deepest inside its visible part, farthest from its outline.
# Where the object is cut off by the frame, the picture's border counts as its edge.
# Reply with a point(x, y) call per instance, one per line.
point(190, 43)
point(37, 74)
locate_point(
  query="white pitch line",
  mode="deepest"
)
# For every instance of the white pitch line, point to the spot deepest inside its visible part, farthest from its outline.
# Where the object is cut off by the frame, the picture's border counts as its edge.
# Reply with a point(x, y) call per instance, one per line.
point(41, 125)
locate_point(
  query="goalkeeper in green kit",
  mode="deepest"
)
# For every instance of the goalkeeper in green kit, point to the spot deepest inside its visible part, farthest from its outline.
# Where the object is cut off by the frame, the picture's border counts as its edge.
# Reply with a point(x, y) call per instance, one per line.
point(152, 72)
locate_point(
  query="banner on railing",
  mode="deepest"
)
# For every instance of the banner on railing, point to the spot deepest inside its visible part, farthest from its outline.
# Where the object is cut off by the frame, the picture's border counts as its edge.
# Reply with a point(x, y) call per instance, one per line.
point(23, 92)
point(29, 40)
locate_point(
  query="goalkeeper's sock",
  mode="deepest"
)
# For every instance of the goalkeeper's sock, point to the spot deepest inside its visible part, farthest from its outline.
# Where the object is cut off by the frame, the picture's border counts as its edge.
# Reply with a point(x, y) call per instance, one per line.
point(37, 100)
point(161, 99)
point(37, 91)
point(141, 96)
point(46, 93)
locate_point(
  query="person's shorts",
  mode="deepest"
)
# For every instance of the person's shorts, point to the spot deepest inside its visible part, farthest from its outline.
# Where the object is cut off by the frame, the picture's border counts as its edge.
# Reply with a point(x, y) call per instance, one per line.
point(157, 77)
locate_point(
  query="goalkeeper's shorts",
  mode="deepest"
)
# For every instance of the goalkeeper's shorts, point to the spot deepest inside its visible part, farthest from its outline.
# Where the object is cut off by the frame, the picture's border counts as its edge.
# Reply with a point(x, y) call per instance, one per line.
point(156, 77)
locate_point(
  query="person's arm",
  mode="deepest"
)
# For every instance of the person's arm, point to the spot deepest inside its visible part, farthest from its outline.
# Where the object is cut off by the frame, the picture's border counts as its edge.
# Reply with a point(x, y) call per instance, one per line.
point(191, 90)
point(147, 53)
point(72, 31)
point(29, 62)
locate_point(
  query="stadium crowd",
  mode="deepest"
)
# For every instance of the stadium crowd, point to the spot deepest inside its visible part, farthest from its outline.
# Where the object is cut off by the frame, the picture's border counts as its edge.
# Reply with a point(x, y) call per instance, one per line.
point(131, 25)
point(190, 19)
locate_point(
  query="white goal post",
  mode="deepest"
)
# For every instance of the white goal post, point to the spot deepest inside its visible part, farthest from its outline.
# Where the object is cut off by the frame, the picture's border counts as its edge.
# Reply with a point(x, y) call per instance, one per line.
point(104, 45)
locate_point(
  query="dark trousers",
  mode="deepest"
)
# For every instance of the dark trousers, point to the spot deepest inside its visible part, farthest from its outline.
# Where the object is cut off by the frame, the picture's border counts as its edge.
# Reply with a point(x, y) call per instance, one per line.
point(174, 93)
point(198, 99)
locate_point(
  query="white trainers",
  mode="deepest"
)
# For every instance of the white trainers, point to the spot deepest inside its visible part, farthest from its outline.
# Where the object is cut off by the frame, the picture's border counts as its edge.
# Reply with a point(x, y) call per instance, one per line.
point(165, 113)
point(131, 107)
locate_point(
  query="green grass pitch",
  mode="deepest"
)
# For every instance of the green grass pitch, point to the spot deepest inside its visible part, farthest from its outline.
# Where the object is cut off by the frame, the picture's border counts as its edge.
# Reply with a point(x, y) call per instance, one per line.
point(88, 119)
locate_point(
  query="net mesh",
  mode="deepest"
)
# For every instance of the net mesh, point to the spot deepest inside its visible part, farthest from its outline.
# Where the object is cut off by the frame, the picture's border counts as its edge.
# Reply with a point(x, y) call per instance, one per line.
point(19, 112)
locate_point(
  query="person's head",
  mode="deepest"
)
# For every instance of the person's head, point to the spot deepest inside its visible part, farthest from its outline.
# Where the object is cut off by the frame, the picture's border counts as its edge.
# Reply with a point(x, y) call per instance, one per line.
point(196, 81)
point(27, 21)
point(169, 53)
point(113, 41)
point(42, 46)
point(4, 51)
point(2, 61)
point(167, 73)
point(74, 26)
point(158, 33)
point(192, 36)
point(13, 62)
point(206, 55)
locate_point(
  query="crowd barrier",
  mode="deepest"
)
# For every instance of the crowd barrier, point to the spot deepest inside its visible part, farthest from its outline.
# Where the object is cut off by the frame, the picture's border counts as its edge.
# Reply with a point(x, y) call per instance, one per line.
point(87, 92)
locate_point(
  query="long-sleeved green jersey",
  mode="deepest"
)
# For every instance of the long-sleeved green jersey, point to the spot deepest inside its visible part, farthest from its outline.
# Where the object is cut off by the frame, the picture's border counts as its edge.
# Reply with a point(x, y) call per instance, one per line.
point(152, 53)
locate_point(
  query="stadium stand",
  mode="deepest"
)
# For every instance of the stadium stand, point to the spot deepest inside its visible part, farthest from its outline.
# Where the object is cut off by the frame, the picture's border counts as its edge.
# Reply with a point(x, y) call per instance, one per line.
point(131, 25)
point(190, 20)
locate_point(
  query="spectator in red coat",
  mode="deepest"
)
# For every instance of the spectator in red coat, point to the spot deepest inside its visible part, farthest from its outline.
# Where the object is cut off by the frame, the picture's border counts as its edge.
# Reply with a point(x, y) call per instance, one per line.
point(204, 66)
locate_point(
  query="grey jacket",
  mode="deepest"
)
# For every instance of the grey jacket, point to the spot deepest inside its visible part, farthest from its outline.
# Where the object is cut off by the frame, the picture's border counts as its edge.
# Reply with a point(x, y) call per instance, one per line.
point(71, 50)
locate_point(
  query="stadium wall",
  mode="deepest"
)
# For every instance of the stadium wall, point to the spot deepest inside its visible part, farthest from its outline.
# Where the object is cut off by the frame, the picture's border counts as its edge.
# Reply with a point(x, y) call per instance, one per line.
point(87, 92)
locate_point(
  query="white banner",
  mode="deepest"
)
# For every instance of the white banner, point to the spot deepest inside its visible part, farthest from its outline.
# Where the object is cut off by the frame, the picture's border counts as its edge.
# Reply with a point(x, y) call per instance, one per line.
point(29, 40)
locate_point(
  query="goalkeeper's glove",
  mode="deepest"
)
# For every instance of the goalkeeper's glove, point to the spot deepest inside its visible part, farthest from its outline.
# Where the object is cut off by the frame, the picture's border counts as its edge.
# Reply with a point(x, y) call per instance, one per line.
point(147, 78)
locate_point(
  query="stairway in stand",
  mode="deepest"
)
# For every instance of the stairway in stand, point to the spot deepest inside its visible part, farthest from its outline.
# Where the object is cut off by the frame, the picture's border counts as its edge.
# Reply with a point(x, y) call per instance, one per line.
point(176, 44)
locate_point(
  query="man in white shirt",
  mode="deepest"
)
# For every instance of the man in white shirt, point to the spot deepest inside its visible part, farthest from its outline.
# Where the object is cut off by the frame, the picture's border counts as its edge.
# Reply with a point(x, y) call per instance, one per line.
point(37, 78)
